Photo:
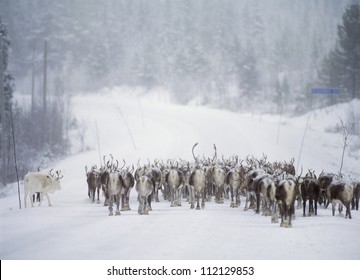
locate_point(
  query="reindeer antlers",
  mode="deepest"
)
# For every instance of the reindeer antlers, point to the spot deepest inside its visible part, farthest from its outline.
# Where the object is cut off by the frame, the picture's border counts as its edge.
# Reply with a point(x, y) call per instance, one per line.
point(57, 176)
point(215, 155)
point(192, 150)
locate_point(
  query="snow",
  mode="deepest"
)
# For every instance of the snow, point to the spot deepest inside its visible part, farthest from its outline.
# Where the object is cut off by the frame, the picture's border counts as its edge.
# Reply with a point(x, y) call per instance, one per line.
point(76, 229)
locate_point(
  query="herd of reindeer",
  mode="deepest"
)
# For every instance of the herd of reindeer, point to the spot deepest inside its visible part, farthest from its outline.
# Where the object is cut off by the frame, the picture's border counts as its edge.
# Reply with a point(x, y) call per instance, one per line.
point(270, 188)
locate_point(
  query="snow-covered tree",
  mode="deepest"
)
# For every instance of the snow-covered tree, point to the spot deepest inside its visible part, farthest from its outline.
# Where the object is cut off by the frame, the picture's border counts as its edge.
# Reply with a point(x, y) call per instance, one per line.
point(341, 67)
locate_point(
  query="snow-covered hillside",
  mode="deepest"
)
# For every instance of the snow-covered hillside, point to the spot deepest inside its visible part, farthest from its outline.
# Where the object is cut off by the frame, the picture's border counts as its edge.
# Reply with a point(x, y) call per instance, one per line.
point(132, 128)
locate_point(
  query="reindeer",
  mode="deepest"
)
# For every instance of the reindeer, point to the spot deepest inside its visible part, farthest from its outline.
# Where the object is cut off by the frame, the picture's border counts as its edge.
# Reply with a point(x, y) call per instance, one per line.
point(175, 182)
point(218, 177)
point(310, 190)
point(248, 187)
point(129, 182)
point(285, 196)
point(340, 192)
point(105, 171)
point(42, 183)
point(145, 187)
point(94, 183)
point(273, 205)
point(196, 183)
point(260, 185)
point(155, 174)
point(325, 179)
point(114, 188)
point(234, 178)
point(355, 201)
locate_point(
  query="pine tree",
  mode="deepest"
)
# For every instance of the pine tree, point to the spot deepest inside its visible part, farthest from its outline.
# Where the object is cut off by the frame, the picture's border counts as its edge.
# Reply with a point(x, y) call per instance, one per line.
point(282, 90)
point(348, 49)
point(331, 77)
point(341, 68)
point(248, 72)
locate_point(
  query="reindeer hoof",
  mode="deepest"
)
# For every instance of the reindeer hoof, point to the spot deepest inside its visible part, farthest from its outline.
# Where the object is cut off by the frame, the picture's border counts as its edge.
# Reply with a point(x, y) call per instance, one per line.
point(285, 225)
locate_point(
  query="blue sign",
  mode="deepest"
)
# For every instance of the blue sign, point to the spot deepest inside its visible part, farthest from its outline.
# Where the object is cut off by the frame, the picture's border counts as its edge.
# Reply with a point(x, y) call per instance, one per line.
point(325, 91)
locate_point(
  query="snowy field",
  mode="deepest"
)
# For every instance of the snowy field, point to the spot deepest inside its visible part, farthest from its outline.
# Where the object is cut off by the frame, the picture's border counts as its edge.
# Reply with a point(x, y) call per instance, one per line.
point(133, 128)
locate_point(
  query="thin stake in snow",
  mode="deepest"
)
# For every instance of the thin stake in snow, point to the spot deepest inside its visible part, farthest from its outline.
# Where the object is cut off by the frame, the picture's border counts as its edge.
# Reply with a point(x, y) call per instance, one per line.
point(302, 141)
point(98, 139)
point(127, 127)
point(279, 124)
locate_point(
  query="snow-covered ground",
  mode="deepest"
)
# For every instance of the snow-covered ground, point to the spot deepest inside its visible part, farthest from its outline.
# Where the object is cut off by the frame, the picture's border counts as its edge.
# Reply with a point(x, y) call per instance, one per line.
point(131, 128)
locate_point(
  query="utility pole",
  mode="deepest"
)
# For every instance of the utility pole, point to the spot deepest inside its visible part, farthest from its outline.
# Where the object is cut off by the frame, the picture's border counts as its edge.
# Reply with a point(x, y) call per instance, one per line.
point(45, 133)
point(3, 114)
point(45, 77)
point(33, 82)
point(14, 149)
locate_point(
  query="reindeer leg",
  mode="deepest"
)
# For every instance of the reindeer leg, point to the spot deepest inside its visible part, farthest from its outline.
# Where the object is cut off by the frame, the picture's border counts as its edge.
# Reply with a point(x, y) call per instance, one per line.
point(98, 195)
point(172, 195)
point(238, 200)
point(257, 211)
point(203, 199)
point(111, 213)
point(118, 200)
point(247, 201)
point(156, 193)
point(148, 205)
point(141, 207)
point(348, 213)
point(197, 201)
point(145, 205)
point(128, 200)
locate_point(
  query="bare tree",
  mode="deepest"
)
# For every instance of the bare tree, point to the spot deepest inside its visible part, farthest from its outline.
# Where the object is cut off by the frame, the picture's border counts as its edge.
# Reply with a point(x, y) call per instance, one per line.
point(346, 134)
